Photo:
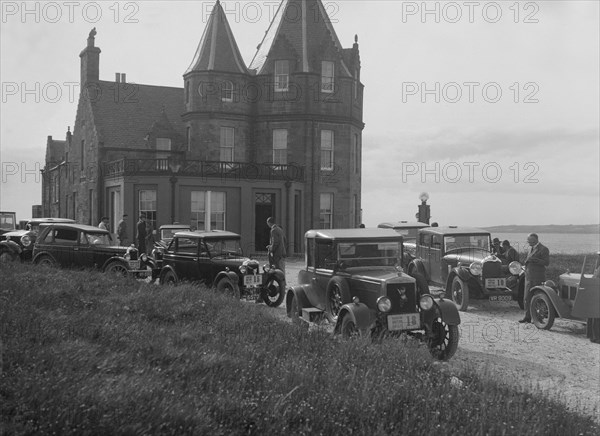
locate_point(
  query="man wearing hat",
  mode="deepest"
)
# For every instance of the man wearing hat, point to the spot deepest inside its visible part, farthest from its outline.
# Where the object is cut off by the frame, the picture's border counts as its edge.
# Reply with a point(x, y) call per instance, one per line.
point(497, 248)
point(122, 230)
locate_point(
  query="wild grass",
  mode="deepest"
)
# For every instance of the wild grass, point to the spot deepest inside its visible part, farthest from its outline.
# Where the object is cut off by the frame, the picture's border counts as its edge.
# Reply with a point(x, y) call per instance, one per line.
point(561, 263)
point(87, 353)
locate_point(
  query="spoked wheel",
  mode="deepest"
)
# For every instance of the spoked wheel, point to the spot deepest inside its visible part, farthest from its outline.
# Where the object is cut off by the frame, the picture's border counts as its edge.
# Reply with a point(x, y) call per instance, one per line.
point(443, 340)
point(227, 287)
point(349, 330)
point(460, 294)
point(338, 294)
point(542, 311)
point(116, 268)
point(273, 292)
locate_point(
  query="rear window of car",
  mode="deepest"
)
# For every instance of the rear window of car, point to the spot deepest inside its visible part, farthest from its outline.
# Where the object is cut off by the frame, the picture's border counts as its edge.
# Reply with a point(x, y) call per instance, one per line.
point(187, 245)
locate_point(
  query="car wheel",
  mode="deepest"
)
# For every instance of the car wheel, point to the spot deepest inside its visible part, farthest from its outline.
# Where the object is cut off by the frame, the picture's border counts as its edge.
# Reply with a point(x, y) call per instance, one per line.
point(349, 330)
point(542, 311)
point(45, 260)
point(7, 257)
point(273, 292)
point(460, 293)
point(338, 294)
point(443, 340)
point(169, 278)
point(116, 268)
point(422, 285)
point(227, 287)
point(295, 312)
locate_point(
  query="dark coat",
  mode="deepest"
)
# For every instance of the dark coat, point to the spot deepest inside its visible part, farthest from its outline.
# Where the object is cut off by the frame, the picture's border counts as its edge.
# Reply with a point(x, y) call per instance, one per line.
point(278, 242)
point(538, 258)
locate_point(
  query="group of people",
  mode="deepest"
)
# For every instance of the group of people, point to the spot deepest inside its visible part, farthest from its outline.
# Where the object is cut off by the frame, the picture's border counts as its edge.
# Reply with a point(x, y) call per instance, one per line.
point(144, 235)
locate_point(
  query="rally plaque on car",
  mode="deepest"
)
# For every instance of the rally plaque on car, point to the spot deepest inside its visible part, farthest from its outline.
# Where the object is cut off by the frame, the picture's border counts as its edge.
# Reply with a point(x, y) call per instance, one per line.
point(495, 283)
point(405, 321)
point(253, 280)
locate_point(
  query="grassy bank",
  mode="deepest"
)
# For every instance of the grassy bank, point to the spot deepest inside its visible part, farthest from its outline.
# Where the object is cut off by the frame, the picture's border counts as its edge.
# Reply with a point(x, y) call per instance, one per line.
point(84, 353)
point(561, 263)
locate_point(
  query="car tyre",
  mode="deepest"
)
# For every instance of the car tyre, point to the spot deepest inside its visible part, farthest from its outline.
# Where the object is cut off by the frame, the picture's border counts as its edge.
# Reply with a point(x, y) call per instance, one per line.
point(459, 293)
point(443, 340)
point(273, 292)
point(116, 268)
point(422, 285)
point(45, 260)
point(542, 311)
point(226, 287)
point(338, 294)
point(169, 278)
point(295, 312)
point(7, 257)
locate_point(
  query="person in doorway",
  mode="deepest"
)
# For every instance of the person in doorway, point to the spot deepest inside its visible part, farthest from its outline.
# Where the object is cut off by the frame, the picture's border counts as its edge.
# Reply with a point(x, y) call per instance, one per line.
point(141, 234)
point(538, 258)
point(122, 230)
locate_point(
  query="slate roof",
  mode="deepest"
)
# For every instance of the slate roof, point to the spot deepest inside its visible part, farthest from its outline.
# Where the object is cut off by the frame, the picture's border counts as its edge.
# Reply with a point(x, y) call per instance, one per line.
point(124, 113)
point(217, 49)
point(304, 24)
point(55, 151)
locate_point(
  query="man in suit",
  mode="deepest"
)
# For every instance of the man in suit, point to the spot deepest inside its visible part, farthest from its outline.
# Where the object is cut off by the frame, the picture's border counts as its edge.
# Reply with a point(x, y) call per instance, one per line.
point(538, 258)
point(276, 246)
point(141, 234)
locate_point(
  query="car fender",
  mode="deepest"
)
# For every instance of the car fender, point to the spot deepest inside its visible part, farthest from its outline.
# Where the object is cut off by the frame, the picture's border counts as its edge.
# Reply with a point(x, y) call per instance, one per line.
point(300, 293)
point(12, 246)
point(229, 274)
point(417, 266)
point(275, 272)
point(362, 316)
point(115, 259)
point(445, 309)
point(560, 306)
point(164, 270)
point(463, 273)
point(43, 253)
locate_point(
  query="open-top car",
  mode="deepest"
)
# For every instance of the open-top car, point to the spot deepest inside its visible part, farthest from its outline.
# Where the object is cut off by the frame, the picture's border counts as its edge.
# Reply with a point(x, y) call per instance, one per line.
point(82, 246)
point(215, 259)
point(353, 277)
point(409, 231)
point(459, 260)
point(18, 244)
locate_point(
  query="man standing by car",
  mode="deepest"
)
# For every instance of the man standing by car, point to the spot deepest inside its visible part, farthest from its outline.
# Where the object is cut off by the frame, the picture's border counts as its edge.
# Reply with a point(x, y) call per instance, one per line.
point(141, 234)
point(538, 258)
point(276, 246)
point(122, 230)
point(510, 254)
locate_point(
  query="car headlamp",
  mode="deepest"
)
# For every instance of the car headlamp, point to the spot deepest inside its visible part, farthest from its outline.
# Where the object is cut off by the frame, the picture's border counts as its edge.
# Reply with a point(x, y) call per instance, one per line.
point(144, 257)
point(26, 240)
point(243, 269)
point(384, 304)
point(476, 268)
point(514, 267)
point(426, 302)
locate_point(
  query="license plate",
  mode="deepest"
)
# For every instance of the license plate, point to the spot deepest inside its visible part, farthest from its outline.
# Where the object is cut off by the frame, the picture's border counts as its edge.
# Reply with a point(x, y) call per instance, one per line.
point(495, 283)
point(253, 280)
point(405, 321)
point(134, 264)
point(500, 298)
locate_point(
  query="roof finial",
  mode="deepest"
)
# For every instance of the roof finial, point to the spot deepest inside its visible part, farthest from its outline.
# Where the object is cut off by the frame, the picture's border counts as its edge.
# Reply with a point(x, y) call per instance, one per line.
point(91, 36)
point(356, 39)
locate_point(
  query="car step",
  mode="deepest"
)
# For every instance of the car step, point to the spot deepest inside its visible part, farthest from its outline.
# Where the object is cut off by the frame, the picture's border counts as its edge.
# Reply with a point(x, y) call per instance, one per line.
point(312, 314)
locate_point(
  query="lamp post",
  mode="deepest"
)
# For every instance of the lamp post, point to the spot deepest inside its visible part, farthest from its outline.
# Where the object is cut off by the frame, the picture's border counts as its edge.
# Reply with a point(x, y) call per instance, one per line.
point(423, 215)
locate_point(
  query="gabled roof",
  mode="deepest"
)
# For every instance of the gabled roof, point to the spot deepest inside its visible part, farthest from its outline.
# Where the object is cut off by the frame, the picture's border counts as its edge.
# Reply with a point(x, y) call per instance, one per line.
point(217, 49)
point(304, 24)
point(124, 113)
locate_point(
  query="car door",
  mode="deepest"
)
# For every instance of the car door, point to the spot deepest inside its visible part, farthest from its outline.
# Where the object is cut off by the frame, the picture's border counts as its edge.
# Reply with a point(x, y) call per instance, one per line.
point(423, 246)
point(66, 240)
point(185, 258)
point(325, 258)
point(437, 272)
point(84, 252)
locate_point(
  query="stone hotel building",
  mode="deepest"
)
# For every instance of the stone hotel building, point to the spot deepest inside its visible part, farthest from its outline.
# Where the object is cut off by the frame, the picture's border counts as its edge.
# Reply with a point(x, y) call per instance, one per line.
point(238, 143)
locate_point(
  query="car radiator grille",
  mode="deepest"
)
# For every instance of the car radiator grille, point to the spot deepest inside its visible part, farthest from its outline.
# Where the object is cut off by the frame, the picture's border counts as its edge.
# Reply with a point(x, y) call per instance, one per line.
point(406, 304)
point(492, 269)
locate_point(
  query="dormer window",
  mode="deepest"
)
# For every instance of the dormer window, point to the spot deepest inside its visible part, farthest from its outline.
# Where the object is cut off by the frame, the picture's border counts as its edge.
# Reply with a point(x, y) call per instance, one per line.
point(163, 152)
point(227, 91)
point(282, 75)
point(327, 76)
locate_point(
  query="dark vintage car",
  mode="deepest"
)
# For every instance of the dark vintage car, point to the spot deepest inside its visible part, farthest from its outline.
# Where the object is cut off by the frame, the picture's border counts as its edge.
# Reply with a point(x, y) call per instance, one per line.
point(81, 246)
point(409, 231)
point(215, 259)
point(18, 244)
point(353, 278)
point(165, 235)
point(459, 261)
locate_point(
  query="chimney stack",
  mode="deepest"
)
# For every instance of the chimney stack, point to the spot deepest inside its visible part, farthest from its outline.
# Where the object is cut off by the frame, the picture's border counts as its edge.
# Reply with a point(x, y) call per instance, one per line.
point(90, 60)
point(118, 77)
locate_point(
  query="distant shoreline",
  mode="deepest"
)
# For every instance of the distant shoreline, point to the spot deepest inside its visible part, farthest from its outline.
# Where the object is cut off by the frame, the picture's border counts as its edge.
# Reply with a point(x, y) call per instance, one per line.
point(551, 228)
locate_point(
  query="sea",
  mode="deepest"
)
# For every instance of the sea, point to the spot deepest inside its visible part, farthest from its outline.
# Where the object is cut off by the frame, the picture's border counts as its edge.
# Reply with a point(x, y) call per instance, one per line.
point(567, 243)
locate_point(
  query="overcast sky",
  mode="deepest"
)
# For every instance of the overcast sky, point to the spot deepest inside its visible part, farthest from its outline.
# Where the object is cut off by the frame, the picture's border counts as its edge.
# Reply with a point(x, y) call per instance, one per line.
point(490, 107)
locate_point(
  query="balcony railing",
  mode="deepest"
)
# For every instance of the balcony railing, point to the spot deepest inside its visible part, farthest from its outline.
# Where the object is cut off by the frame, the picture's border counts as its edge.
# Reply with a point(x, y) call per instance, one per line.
point(205, 169)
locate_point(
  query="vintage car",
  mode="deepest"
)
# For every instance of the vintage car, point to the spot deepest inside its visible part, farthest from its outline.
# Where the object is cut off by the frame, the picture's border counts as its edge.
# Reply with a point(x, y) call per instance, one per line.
point(81, 246)
point(18, 244)
point(8, 222)
point(353, 278)
point(577, 297)
point(165, 235)
point(460, 262)
point(215, 259)
point(409, 231)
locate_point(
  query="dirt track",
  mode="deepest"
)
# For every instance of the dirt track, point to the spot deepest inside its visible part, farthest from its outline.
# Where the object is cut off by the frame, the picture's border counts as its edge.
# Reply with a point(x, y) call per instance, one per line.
point(561, 362)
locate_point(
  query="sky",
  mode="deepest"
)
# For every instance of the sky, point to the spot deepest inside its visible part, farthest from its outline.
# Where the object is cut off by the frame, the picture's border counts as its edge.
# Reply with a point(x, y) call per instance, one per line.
point(492, 108)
